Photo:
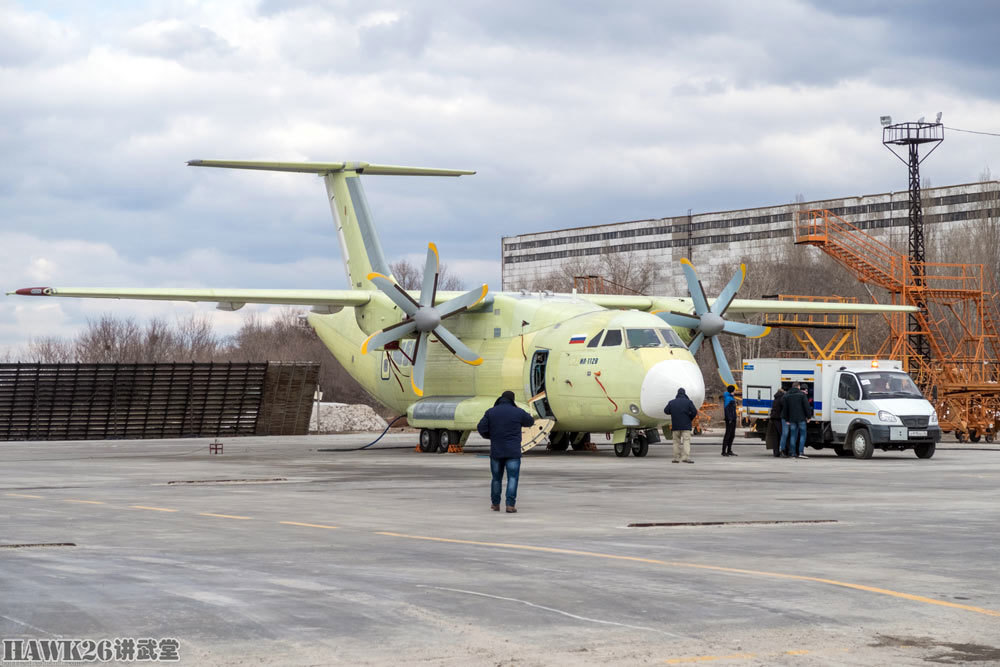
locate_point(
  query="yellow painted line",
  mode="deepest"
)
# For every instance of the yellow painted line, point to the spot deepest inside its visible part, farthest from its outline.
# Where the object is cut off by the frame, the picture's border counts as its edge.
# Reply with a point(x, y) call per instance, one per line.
point(852, 412)
point(307, 525)
point(154, 509)
point(22, 495)
point(83, 502)
point(709, 658)
point(714, 568)
point(226, 516)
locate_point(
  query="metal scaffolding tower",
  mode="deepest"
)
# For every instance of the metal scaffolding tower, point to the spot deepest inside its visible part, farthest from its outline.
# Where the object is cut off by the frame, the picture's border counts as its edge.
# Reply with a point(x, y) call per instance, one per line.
point(912, 136)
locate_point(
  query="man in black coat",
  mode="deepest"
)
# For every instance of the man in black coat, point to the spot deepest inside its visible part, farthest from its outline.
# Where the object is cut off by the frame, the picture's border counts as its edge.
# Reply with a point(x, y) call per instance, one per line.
point(682, 412)
point(501, 425)
point(775, 423)
point(796, 411)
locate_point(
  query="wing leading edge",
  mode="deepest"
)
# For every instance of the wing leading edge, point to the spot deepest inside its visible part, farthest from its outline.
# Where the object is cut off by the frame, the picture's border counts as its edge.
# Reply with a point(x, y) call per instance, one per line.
point(658, 303)
point(228, 299)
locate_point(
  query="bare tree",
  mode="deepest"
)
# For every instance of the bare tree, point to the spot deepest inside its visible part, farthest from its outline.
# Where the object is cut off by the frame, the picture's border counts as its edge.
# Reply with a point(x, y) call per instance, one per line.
point(619, 272)
point(411, 277)
point(50, 350)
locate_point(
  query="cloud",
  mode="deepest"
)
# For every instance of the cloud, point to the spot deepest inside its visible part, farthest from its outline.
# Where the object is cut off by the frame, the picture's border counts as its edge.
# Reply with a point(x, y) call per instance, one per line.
point(572, 113)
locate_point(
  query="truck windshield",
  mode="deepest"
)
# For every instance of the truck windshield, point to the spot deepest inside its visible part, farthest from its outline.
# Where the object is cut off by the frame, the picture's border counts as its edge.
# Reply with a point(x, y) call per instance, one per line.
point(887, 384)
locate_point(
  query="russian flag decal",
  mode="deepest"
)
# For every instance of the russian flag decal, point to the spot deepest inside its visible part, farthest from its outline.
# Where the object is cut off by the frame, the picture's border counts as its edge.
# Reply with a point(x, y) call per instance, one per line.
point(579, 338)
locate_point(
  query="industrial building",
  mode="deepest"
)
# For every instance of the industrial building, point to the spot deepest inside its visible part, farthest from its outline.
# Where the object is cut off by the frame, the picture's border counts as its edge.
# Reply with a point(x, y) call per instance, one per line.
point(724, 239)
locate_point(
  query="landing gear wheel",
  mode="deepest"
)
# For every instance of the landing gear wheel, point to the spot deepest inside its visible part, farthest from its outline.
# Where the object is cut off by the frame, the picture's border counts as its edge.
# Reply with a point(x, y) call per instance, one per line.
point(842, 451)
point(445, 439)
point(861, 444)
point(924, 451)
point(640, 445)
point(622, 449)
point(559, 442)
point(428, 440)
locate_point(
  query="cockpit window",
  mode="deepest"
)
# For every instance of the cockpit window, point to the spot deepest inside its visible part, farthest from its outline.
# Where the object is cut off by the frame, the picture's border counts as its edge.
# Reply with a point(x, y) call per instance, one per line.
point(671, 338)
point(643, 338)
point(595, 341)
point(612, 337)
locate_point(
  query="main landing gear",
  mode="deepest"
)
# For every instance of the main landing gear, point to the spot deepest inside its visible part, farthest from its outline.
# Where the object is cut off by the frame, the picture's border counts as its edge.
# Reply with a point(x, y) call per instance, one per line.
point(439, 440)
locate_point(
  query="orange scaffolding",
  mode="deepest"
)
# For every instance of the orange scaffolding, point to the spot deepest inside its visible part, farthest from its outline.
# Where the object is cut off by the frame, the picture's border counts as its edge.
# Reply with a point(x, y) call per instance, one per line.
point(959, 317)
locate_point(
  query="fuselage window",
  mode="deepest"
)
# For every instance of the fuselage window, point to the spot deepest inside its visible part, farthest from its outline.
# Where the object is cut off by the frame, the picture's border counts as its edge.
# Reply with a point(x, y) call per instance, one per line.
point(596, 340)
point(612, 338)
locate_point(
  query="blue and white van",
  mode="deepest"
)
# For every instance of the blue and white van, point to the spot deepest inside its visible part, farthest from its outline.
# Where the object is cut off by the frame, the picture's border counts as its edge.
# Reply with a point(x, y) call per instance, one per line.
point(858, 406)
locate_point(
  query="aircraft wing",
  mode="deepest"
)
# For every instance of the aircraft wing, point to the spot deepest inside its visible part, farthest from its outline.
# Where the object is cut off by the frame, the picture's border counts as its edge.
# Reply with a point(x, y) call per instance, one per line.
point(679, 304)
point(228, 299)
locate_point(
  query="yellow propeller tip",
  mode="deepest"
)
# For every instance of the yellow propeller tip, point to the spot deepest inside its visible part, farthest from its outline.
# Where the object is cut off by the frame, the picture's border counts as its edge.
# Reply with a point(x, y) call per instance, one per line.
point(685, 260)
point(375, 274)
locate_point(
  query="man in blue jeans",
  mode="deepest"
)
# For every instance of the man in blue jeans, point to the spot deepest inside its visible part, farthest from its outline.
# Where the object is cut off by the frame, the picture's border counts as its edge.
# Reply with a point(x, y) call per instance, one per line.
point(501, 425)
point(795, 412)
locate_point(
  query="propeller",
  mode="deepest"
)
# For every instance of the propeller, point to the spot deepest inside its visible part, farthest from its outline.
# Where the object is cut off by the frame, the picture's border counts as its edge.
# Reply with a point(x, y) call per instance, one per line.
point(709, 322)
point(424, 319)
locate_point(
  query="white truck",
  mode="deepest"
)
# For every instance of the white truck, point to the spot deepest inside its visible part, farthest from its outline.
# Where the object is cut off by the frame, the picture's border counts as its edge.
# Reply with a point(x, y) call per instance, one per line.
point(858, 406)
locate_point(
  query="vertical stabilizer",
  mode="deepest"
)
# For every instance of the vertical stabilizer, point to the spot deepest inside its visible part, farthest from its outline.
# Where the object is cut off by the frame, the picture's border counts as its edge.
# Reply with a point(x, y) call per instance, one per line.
point(358, 239)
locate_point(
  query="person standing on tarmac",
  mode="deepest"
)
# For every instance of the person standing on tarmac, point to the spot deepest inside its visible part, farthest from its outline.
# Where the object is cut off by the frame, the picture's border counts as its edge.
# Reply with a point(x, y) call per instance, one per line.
point(796, 411)
point(501, 425)
point(729, 409)
point(774, 423)
point(682, 412)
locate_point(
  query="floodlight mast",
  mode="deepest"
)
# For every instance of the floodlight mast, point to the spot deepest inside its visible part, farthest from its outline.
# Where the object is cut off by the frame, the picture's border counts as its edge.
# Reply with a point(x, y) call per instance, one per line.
point(913, 135)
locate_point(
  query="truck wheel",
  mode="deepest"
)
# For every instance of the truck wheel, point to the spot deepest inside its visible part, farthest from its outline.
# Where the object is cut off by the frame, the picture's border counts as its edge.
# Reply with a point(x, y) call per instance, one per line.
point(622, 449)
point(861, 444)
point(640, 445)
point(842, 451)
point(924, 450)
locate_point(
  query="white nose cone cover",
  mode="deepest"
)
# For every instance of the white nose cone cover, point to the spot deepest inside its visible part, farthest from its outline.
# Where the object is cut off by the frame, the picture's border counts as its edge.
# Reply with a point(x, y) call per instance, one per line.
point(662, 382)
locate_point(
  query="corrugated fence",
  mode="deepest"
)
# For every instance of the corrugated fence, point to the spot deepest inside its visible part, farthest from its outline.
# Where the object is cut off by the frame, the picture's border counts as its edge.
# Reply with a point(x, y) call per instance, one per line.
point(156, 400)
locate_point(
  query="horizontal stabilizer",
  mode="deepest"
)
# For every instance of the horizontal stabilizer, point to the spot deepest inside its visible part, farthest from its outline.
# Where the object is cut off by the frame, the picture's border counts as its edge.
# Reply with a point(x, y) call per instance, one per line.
point(330, 167)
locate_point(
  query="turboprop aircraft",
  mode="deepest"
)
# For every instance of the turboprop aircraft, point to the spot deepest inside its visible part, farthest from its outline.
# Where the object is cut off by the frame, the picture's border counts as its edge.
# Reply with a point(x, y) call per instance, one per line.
point(590, 362)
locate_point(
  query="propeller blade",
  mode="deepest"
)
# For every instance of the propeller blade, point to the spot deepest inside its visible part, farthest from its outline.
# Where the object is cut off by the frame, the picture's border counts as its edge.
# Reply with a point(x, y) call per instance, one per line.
point(419, 362)
point(387, 335)
point(720, 360)
point(696, 343)
point(746, 330)
point(694, 287)
point(729, 293)
point(395, 292)
point(679, 319)
point(457, 347)
point(429, 288)
point(463, 302)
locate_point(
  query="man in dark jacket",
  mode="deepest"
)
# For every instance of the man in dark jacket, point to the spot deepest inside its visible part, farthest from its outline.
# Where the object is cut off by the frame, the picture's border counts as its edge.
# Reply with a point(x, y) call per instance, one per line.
point(775, 422)
point(729, 410)
point(502, 426)
point(796, 411)
point(682, 412)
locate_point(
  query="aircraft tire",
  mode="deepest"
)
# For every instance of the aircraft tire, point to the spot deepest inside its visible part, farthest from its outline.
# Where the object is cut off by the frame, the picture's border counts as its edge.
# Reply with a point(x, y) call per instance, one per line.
point(559, 442)
point(640, 445)
point(622, 449)
point(428, 440)
point(445, 438)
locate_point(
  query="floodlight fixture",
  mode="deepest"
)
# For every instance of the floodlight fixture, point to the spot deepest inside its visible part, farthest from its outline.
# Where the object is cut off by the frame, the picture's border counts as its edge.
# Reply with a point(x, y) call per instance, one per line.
point(885, 120)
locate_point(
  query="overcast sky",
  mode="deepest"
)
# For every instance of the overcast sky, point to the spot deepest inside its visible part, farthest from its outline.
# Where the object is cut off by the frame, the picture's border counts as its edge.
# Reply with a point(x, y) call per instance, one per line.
point(572, 113)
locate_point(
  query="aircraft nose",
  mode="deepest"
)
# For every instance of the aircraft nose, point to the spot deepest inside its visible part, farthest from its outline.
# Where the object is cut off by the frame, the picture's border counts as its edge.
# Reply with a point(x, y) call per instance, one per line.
point(662, 382)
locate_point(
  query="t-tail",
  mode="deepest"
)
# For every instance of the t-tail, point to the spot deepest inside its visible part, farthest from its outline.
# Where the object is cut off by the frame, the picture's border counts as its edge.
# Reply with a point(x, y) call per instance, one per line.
point(359, 241)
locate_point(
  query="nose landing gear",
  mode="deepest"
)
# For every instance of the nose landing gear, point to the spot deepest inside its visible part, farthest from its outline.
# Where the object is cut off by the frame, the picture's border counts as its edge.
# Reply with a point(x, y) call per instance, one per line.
point(636, 443)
